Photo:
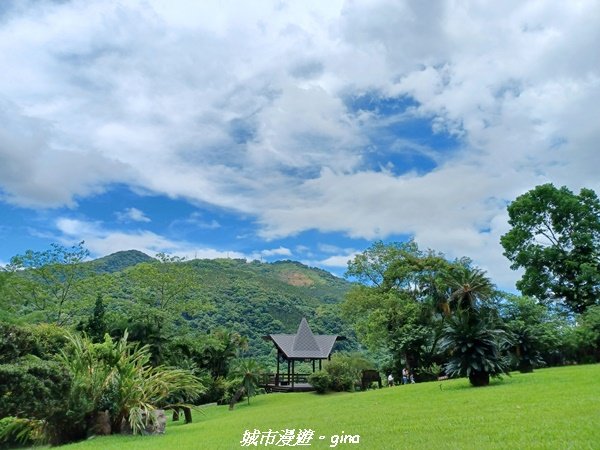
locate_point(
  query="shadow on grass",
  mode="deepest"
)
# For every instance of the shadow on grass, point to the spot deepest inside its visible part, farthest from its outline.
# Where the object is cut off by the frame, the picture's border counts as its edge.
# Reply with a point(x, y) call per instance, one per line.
point(460, 384)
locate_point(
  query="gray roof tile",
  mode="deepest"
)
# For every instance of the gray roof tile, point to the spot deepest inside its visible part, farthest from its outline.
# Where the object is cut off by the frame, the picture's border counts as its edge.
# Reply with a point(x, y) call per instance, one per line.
point(304, 344)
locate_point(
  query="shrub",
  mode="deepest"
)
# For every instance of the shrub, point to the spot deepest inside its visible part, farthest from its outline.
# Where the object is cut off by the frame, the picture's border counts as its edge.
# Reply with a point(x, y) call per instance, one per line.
point(321, 381)
point(345, 371)
point(33, 388)
point(43, 341)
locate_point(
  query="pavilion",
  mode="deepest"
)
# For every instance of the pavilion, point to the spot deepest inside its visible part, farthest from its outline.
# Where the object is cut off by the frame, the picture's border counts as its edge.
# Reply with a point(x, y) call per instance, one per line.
point(302, 346)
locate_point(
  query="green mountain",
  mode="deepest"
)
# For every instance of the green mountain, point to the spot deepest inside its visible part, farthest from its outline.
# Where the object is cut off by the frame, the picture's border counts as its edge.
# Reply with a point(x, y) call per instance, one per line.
point(119, 261)
point(252, 298)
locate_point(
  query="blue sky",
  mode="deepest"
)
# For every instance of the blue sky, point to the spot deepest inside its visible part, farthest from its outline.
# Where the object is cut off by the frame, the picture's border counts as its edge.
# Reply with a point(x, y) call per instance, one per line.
point(290, 130)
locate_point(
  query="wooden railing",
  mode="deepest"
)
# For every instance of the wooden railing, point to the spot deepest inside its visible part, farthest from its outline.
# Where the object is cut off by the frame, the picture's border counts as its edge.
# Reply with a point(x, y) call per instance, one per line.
point(284, 380)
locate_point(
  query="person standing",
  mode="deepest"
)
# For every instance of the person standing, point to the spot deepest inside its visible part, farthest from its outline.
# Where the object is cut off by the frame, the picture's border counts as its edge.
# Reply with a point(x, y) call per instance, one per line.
point(405, 376)
point(390, 380)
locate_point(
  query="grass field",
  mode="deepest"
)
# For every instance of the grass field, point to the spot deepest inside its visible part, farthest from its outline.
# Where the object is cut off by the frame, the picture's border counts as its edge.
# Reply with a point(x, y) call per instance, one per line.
point(556, 408)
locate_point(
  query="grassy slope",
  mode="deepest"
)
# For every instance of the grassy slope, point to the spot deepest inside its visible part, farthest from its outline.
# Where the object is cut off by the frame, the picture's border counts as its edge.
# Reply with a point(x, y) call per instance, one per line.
point(555, 408)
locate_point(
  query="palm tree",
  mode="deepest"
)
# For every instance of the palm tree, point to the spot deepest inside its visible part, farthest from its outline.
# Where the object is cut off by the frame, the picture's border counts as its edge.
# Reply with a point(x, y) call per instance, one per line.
point(224, 346)
point(249, 371)
point(475, 347)
point(469, 287)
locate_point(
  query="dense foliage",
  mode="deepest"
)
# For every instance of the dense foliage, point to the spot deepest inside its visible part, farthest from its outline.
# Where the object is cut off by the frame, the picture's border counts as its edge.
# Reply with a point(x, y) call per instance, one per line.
point(417, 310)
point(555, 237)
point(475, 348)
point(342, 373)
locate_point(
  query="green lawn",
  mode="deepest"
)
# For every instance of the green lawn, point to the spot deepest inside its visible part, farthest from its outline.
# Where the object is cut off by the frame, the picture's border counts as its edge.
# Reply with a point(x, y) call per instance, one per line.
point(556, 408)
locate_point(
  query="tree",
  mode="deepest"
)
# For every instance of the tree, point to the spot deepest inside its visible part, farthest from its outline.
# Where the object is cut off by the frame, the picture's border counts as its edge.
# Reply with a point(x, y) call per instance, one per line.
point(588, 335)
point(248, 371)
point(162, 290)
point(403, 301)
point(49, 283)
point(468, 287)
point(220, 348)
point(537, 331)
point(96, 326)
point(555, 237)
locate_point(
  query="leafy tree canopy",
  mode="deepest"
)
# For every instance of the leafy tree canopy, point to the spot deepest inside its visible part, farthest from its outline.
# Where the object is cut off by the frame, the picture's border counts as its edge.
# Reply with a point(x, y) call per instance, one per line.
point(555, 237)
point(49, 283)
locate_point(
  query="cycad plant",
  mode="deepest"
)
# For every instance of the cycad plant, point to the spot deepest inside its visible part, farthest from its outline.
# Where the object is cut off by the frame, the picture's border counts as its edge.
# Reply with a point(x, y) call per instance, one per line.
point(475, 346)
point(525, 344)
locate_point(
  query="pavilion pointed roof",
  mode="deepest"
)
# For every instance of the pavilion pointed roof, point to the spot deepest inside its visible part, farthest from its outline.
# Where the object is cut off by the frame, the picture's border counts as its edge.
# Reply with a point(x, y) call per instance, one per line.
point(304, 344)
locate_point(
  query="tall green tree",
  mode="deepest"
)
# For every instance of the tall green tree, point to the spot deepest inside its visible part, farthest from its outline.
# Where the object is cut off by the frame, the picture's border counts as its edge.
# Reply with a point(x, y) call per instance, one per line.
point(402, 301)
point(48, 285)
point(555, 238)
point(96, 325)
point(162, 299)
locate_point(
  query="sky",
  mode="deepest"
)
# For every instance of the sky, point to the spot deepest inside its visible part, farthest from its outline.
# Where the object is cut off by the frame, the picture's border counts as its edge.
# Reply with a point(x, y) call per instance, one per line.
point(290, 130)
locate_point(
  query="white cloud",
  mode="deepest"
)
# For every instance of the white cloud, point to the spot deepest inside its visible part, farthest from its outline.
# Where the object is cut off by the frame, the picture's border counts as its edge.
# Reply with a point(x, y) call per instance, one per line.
point(281, 251)
point(132, 214)
point(101, 241)
point(336, 261)
point(244, 106)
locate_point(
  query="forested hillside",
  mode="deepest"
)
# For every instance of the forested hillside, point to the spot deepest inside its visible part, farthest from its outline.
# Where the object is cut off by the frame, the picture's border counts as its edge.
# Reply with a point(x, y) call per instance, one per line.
point(163, 298)
point(257, 298)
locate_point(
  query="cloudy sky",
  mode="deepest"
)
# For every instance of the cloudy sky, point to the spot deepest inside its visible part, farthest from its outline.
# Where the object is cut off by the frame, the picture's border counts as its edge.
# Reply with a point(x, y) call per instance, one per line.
point(290, 130)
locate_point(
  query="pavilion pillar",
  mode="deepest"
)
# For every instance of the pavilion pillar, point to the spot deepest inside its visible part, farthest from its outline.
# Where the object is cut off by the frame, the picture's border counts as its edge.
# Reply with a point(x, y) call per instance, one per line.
point(320, 366)
point(293, 361)
point(313, 366)
point(277, 376)
point(288, 377)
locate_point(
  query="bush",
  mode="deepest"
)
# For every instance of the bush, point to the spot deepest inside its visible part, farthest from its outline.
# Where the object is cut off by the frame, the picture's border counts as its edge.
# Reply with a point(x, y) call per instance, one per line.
point(345, 371)
point(119, 373)
point(321, 381)
point(342, 373)
point(33, 388)
point(343, 377)
point(43, 341)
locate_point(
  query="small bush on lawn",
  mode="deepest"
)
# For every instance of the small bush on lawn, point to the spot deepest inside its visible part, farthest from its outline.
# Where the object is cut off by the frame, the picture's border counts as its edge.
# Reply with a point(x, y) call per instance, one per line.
point(342, 373)
point(320, 380)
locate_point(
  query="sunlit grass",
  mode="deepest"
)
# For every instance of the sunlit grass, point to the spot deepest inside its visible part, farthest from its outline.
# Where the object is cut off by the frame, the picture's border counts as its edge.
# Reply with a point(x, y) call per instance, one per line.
point(556, 408)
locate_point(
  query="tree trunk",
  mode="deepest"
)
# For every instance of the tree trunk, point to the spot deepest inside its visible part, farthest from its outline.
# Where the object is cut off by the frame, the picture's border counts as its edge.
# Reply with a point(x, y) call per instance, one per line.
point(236, 397)
point(187, 412)
point(478, 378)
point(525, 366)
